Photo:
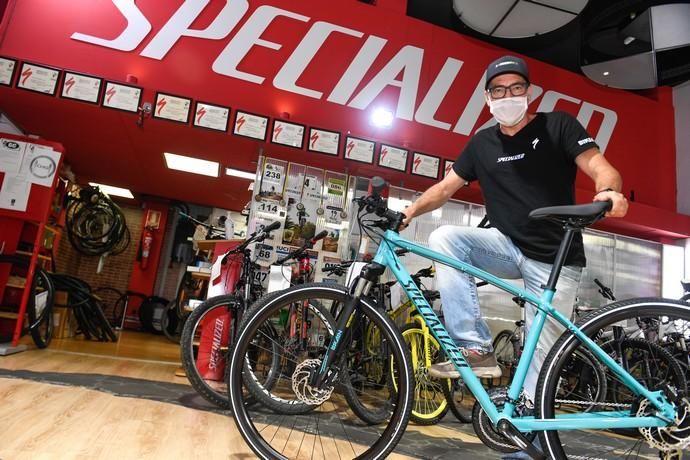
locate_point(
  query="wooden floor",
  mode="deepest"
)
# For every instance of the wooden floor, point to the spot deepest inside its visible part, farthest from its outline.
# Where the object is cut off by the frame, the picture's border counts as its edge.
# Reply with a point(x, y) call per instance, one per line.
point(46, 421)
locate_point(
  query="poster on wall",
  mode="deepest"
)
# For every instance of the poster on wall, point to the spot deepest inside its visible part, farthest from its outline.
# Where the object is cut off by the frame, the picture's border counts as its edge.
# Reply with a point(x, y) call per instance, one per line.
point(294, 190)
point(272, 180)
point(7, 68)
point(37, 78)
point(448, 166)
point(334, 204)
point(173, 108)
point(250, 125)
point(359, 150)
point(425, 165)
point(323, 141)
point(81, 87)
point(211, 116)
point(304, 204)
point(121, 97)
point(290, 134)
point(393, 157)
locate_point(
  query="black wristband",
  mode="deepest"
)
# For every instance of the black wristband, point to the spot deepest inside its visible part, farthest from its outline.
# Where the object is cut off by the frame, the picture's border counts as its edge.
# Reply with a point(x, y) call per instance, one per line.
point(609, 189)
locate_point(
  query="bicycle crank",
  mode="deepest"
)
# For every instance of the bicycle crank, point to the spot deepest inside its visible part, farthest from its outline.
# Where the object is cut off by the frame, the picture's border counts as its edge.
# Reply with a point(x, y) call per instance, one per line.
point(300, 383)
point(489, 434)
point(669, 439)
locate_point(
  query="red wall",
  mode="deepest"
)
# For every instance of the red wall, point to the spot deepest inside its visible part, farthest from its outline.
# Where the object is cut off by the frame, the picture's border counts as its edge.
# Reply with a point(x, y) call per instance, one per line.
point(641, 145)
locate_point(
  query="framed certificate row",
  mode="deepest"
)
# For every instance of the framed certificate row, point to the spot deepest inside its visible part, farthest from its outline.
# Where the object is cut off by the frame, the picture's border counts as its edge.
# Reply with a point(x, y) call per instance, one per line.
point(175, 108)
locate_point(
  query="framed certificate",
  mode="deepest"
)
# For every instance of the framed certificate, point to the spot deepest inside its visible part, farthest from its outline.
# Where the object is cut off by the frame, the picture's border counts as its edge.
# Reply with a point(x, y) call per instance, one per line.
point(81, 87)
point(7, 69)
point(393, 157)
point(448, 165)
point(290, 134)
point(250, 125)
point(360, 150)
point(173, 108)
point(425, 165)
point(323, 141)
point(37, 78)
point(211, 116)
point(121, 97)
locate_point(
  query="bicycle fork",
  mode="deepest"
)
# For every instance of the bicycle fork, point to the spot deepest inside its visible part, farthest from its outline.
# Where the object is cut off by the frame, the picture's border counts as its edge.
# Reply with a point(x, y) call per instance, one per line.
point(366, 281)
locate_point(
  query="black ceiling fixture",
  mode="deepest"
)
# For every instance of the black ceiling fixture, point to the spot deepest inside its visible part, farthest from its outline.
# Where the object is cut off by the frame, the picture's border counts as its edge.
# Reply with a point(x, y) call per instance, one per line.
point(597, 32)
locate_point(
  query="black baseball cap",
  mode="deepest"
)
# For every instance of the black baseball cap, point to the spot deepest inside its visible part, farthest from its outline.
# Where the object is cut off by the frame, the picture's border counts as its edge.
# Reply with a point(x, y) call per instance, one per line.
point(506, 64)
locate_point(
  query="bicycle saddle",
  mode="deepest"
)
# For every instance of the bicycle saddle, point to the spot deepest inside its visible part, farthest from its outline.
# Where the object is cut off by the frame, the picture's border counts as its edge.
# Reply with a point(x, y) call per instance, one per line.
point(579, 215)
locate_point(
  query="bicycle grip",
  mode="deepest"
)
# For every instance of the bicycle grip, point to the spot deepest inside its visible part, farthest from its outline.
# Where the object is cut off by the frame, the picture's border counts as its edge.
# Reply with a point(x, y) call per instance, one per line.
point(272, 226)
point(322, 234)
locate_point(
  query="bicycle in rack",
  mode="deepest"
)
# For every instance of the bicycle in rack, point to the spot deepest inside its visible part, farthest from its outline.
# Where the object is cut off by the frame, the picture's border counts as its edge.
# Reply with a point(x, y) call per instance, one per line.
point(585, 426)
point(209, 329)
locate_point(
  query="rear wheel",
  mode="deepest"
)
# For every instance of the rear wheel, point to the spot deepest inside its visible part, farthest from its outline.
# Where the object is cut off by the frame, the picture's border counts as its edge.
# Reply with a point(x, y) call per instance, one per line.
point(561, 390)
point(330, 429)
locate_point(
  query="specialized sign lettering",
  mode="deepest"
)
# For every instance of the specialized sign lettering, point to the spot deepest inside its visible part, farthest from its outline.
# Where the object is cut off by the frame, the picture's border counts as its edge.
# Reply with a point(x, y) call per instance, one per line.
point(402, 71)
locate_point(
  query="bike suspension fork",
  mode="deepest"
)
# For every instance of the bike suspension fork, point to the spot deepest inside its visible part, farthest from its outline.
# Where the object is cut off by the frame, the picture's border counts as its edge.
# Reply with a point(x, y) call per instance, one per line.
point(368, 278)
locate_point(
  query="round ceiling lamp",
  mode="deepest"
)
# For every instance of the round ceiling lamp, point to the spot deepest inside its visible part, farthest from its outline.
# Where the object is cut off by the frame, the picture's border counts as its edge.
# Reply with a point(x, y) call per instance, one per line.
point(517, 18)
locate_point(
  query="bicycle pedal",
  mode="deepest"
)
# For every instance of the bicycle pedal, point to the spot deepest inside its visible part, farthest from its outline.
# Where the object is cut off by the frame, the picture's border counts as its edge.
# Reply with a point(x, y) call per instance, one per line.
point(508, 430)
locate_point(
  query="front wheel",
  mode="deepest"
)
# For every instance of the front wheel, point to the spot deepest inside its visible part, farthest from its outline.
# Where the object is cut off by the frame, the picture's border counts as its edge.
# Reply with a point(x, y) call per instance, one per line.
point(330, 430)
point(565, 391)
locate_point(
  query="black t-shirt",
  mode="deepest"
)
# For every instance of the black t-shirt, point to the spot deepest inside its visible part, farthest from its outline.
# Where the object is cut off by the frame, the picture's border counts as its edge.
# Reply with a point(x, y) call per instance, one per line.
point(532, 169)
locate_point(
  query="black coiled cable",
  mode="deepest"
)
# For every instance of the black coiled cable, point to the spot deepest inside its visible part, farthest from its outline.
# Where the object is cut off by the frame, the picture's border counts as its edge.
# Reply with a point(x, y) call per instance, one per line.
point(87, 308)
point(95, 225)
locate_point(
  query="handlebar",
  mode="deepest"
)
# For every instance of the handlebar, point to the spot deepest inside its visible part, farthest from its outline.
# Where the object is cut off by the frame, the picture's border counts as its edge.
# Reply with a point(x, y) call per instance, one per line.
point(307, 245)
point(374, 203)
point(604, 290)
point(253, 238)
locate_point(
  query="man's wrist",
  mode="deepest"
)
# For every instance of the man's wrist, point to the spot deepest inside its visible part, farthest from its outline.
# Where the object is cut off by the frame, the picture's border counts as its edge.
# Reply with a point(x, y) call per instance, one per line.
point(607, 189)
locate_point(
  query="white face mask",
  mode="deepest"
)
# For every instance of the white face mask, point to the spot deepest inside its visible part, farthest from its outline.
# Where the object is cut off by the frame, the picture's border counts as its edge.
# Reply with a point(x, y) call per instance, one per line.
point(508, 111)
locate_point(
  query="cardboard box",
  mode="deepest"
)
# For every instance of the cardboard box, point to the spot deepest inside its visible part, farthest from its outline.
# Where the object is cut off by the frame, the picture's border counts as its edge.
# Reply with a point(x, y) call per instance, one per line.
point(61, 298)
point(64, 323)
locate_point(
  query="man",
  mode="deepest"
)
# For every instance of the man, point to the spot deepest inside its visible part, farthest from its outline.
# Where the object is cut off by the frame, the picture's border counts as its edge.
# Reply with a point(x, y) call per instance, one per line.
point(526, 161)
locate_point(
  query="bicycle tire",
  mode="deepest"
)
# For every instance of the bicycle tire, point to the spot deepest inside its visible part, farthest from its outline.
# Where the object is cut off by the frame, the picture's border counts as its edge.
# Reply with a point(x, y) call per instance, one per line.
point(455, 395)
point(623, 312)
point(506, 353)
point(367, 447)
point(211, 392)
point(41, 324)
point(367, 367)
point(425, 413)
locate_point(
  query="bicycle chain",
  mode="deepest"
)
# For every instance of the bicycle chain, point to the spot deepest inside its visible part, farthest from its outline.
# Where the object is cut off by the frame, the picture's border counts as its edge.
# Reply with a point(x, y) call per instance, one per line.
point(584, 403)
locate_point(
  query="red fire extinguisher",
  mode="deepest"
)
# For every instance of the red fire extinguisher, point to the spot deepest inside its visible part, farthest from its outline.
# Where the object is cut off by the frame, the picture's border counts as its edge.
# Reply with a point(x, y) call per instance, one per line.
point(146, 243)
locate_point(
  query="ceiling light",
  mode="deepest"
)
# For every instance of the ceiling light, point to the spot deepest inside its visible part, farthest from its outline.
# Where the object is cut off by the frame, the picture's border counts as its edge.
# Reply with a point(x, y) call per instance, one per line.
point(238, 173)
point(191, 164)
point(607, 73)
point(113, 191)
point(382, 118)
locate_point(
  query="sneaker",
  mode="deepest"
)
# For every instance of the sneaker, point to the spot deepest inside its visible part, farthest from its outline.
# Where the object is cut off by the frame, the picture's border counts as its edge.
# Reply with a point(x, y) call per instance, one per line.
point(483, 365)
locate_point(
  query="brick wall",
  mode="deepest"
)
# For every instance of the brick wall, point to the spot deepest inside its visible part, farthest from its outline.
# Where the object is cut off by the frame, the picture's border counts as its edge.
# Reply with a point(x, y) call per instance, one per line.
point(116, 269)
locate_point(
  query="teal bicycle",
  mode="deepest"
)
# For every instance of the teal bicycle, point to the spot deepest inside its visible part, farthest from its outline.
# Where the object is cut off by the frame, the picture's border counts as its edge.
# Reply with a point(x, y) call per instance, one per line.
point(587, 405)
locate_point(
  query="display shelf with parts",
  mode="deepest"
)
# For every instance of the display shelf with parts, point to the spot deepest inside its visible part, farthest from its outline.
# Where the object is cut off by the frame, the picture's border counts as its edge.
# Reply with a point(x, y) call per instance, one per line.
point(29, 230)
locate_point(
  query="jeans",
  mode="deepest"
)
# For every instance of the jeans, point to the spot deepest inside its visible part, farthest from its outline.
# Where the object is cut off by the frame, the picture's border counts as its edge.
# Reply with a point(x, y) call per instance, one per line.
point(490, 250)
